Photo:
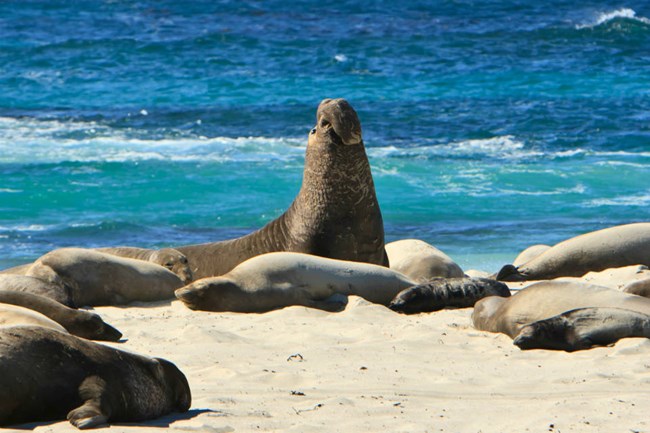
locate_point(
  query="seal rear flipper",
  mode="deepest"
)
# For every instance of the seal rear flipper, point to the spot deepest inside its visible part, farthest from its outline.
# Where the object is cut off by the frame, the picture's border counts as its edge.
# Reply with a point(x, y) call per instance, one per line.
point(333, 304)
point(509, 273)
point(97, 407)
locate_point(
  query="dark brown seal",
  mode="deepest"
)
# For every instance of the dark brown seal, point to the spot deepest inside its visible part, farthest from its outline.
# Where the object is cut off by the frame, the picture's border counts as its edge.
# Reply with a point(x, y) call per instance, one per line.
point(77, 322)
point(48, 375)
point(335, 214)
point(37, 286)
point(441, 293)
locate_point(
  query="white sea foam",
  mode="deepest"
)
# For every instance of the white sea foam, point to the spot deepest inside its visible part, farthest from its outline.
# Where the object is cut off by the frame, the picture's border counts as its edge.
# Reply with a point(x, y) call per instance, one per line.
point(632, 200)
point(605, 17)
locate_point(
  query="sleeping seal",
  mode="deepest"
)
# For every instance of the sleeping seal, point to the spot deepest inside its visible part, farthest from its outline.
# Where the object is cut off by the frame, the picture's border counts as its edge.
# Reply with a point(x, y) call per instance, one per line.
point(420, 261)
point(280, 279)
point(335, 214)
point(583, 328)
point(14, 315)
point(77, 322)
point(48, 375)
point(36, 286)
point(166, 257)
point(95, 278)
point(613, 247)
point(441, 293)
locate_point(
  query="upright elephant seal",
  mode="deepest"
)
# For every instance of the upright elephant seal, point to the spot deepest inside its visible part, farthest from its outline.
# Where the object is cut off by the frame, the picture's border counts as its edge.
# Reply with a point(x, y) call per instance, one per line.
point(169, 258)
point(335, 214)
point(49, 375)
point(420, 261)
point(583, 328)
point(547, 299)
point(95, 278)
point(36, 286)
point(441, 293)
point(77, 322)
point(613, 247)
point(276, 280)
point(14, 315)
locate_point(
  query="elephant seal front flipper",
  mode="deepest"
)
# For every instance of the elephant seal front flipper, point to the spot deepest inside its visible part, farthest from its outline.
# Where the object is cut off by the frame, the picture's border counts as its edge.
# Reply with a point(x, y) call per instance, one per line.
point(583, 328)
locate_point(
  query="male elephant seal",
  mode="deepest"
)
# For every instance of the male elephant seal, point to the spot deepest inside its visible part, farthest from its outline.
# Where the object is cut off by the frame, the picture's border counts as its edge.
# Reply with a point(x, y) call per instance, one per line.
point(36, 286)
point(547, 299)
point(169, 258)
point(95, 278)
point(441, 293)
point(334, 215)
point(77, 322)
point(14, 315)
point(280, 279)
point(583, 328)
point(48, 375)
point(420, 261)
point(613, 247)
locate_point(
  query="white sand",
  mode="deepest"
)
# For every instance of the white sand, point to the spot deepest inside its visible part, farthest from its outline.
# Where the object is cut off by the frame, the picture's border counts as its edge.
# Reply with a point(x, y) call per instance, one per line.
point(368, 369)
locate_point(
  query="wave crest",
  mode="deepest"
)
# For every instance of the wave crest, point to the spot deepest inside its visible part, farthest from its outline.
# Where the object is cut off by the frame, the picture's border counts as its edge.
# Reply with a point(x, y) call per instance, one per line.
point(607, 17)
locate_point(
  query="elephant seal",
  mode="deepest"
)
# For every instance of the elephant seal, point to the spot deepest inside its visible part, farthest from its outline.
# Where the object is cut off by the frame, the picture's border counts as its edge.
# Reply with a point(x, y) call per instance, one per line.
point(276, 280)
point(583, 328)
point(77, 322)
point(16, 270)
point(530, 253)
point(48, 375)
point(638, 287)
point(547, 299)
point(334, 215)
point(613, 247)
point(169, 258)
point(441, 293)
point(36, 286)
point(14, 315)
point(95, 278)
point(420, 261)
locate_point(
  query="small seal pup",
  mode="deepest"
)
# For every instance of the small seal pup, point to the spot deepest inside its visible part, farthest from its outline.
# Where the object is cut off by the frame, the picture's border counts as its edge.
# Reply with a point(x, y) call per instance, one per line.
point(420, 261)
point(36, 286)
point(638, 287)
point(77, 322)
point(335, 214)
point(547, 299)
point(583, 328)
point(169, 258)
point(276, 280)
point(613, 247)
point(95, 278)
point(49, 375)
point(14, 315)
point(441, 293)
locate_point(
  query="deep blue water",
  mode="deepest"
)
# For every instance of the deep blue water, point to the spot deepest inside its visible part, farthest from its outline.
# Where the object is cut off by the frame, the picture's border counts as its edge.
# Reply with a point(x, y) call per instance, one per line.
point(490, 125)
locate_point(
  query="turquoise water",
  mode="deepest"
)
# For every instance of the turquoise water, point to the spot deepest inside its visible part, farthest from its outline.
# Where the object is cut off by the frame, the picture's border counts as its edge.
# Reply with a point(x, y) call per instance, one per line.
point(490, 126)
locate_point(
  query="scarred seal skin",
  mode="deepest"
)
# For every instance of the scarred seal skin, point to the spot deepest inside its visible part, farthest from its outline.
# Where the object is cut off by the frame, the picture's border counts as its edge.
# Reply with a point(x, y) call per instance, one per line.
point(334, 215)
point(442, 293)
point(49, 375)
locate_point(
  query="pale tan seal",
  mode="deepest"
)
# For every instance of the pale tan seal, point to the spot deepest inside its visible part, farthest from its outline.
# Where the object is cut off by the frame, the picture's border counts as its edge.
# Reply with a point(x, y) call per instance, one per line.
point(169, 258)
point(638, 287)
point(530, 253)
point(77, 322)
point(421, 261)
point(547, 299)
point(583, 328)
point(95, 278)
point(14, 315)
point(335, 214)
point(612, 247)
point(281, 279)
point(49, 375)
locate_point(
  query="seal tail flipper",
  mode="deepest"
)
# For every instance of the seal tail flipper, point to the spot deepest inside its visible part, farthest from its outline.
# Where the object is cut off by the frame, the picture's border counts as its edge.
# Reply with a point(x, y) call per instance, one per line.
point(509, 273)
point(96, 409)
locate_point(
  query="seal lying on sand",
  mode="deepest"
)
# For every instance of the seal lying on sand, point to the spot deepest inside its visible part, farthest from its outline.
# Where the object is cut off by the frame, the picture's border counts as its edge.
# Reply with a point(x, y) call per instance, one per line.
point(14, 315)
point(612, 247)
point(530, 253)
point(36, 286)
point(334, 215)
point(583, 328)
point(281, 279)
point(441, 293)
point(638, 287)
point(547, 299)
point(48, 375)
point(420, 261)
point(166, 257)
point(77, 322)
point(95, 278)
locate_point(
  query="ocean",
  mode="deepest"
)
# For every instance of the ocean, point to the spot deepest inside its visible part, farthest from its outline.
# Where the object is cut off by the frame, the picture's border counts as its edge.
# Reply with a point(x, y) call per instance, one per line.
point(490, 126)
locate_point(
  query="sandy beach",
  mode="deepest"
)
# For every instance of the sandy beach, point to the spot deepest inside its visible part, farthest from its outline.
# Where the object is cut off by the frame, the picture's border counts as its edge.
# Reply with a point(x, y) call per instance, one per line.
point(369, 369)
